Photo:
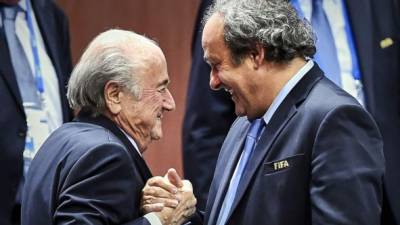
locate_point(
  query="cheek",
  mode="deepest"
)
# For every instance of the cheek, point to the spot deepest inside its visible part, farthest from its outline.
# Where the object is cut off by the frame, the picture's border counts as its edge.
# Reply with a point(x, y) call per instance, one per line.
point(157, 126)
point(153, 103)
point(229, 78)
point(156, 131)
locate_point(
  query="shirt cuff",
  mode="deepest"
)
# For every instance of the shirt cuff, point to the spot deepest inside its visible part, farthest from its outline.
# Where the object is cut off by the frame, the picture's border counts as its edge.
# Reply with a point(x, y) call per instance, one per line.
point(153, 219)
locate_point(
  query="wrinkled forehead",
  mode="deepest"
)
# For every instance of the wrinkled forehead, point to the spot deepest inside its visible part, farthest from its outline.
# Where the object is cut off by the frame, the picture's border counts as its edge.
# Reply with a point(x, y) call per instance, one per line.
point(213, 30)
point(153, 69)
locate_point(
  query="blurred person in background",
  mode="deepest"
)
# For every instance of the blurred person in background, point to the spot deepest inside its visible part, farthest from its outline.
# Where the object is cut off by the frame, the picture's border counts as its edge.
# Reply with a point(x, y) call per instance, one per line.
point(35, 64)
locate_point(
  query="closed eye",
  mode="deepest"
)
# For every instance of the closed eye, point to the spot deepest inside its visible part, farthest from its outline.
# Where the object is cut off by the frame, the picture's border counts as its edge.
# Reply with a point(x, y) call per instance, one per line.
point(215, 67)
point(212, 63)
point(162, 90)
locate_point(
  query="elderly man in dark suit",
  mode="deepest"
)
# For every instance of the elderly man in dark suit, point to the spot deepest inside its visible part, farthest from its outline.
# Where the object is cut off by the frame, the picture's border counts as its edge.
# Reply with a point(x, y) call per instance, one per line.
point(35, 64)
point(302, 151)
point(91, 170)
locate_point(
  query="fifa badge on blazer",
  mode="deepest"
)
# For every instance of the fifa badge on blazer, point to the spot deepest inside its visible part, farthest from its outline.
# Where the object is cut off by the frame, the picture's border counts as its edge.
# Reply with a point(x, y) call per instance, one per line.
point(281, 165)
point(386, 42)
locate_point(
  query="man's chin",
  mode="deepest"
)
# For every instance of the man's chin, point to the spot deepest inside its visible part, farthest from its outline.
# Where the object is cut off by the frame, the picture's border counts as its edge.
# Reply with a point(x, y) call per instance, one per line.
point(240, 111)
point(156, 135)
point(156, 138)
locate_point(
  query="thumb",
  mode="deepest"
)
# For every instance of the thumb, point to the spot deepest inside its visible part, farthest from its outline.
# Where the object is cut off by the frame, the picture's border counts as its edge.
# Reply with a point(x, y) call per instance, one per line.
point(174, 178)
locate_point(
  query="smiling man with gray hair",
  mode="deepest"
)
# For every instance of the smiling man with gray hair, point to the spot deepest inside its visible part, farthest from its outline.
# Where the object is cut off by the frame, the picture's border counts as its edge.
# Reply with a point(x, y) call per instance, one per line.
point(91, 171)
point(302, 151)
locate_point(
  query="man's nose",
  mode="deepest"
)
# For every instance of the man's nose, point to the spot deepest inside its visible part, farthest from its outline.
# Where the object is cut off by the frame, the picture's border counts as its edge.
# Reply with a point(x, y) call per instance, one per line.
point(215, 82)
point(169, 102)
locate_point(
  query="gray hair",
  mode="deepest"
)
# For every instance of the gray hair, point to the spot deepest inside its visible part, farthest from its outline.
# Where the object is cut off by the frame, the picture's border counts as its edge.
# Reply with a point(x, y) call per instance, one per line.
point(272, 23)
point(108, 58)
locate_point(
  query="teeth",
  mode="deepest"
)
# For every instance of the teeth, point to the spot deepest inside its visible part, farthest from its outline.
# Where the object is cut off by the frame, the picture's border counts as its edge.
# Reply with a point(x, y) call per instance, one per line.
point(229, 91)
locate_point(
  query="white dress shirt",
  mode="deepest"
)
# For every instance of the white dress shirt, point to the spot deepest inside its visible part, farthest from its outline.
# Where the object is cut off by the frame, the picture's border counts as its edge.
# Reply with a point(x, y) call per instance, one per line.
point(51, 87)
point(334, 11)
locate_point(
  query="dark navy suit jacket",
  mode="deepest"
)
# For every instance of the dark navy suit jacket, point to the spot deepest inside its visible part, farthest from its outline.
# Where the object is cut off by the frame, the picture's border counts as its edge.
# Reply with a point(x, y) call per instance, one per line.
point(209, 114)
point(319, 161)
point(87, 172)
point(54, 30)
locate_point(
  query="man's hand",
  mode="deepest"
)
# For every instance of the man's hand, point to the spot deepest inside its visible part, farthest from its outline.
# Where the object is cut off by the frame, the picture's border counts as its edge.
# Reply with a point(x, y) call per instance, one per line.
point(187, 205)
point(171, 198)
point(159, 192)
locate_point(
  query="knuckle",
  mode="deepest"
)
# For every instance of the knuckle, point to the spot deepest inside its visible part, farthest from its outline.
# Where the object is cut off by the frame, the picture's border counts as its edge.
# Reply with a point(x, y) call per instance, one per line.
point(154, 180)
point(145, 208)
point(147, 192)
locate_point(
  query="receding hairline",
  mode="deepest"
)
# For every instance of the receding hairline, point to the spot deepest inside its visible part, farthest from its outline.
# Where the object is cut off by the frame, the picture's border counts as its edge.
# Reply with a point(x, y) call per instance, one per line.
point(114, 55)
point(126, 41)
point(134, 46)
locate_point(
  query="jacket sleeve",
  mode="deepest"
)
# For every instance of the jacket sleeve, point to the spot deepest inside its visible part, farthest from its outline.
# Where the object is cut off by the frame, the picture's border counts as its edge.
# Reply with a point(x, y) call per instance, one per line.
point(100, 188)
point(347, 169)
point(196, 219)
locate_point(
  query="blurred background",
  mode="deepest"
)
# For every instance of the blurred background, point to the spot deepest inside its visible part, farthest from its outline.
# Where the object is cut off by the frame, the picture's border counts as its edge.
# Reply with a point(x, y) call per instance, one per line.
point(170, 23)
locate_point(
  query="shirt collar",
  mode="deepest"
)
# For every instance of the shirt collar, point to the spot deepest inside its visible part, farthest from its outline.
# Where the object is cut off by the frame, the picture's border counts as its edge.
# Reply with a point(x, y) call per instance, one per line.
point(306, 6)
point(22, 4)
point(132, 141)
point(286, 89)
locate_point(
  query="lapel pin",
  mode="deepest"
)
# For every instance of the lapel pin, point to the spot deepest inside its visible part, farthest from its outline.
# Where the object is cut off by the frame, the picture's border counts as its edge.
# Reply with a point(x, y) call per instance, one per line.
point(386, 42)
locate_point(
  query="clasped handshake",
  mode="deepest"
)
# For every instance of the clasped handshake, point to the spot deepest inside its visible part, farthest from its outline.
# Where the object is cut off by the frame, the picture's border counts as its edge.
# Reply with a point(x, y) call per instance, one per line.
point(170, 198)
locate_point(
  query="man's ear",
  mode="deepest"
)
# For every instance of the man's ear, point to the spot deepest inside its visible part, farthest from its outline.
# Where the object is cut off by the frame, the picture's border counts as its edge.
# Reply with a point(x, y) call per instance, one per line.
point(112, 96)
point(257, 56)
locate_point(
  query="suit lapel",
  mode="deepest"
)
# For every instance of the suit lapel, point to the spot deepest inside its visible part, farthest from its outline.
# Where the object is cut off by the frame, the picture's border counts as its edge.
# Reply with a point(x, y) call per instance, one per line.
point(359, 12)
point(109, 125)
point(285, 112)
point(232, 151)
point(7, 70)
point(272, 130)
